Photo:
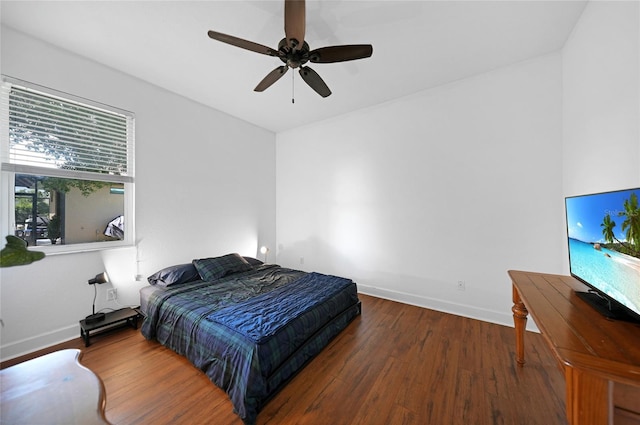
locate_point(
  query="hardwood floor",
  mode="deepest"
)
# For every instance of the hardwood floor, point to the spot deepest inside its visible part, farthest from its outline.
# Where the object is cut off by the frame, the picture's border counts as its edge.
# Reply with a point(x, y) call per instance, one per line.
point(395, 364)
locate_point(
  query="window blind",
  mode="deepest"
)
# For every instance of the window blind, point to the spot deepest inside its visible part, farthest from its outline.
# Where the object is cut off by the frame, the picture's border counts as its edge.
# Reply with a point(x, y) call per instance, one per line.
point(54, 135)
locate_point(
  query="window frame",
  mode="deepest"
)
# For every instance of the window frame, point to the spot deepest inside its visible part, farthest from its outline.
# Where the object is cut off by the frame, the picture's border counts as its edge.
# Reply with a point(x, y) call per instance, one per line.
point(8, 172)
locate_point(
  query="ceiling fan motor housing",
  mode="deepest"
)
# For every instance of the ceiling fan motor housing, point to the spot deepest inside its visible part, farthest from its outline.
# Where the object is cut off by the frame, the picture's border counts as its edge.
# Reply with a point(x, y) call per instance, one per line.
point(293, 57)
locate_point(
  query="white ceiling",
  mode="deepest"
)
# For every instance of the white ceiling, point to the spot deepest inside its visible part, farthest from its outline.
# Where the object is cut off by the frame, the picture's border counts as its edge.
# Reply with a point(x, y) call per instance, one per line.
point(416, 45)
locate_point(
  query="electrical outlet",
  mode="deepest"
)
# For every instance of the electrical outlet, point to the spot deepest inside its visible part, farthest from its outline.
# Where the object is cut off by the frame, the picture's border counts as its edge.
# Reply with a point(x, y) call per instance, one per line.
point(112, 294)
point(461, 285)
point(301, 260)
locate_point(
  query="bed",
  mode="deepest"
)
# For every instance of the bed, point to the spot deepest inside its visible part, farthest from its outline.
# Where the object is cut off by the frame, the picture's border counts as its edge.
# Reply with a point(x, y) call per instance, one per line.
point(249, 326)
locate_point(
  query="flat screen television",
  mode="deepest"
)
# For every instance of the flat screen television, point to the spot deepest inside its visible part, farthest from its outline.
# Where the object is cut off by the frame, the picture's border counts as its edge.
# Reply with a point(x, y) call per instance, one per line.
point(603, 232)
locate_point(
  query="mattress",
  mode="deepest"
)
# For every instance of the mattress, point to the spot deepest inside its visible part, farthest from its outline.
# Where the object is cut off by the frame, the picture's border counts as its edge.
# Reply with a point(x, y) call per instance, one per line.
point(145, 294)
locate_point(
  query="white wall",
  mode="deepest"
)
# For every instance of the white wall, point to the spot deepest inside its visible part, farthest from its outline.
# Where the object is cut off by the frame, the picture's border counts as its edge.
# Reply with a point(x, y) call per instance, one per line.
point(462, 182)
point(204, 186)
point(601, 92)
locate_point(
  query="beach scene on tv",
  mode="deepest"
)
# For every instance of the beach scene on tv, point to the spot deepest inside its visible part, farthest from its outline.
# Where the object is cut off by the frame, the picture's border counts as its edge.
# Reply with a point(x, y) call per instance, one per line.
point(604, 243)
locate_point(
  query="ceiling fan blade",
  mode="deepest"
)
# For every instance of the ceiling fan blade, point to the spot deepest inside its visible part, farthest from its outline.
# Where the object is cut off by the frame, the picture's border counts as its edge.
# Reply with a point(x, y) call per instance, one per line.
point(239, 42)
point(315, 82)
point(294, 22)
point(271, 78)
point(340, 53)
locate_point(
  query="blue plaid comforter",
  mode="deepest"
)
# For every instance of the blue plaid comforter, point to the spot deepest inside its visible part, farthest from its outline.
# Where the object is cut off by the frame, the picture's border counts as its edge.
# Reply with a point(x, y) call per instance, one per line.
point(252, 331)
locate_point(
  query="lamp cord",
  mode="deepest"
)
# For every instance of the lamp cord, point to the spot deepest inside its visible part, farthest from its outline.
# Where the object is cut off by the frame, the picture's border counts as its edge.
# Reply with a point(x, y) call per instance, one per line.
point(95, 293)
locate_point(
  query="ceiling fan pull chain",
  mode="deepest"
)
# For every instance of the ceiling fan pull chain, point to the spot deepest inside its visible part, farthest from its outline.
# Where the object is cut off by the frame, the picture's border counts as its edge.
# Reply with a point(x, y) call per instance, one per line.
point(292, 88)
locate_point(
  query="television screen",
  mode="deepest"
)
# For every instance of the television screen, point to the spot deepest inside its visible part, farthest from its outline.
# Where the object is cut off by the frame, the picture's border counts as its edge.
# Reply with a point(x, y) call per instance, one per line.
point(604, 249)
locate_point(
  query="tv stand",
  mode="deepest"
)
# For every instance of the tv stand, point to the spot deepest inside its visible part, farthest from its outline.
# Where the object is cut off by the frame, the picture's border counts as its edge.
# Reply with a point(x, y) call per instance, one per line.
point(607, 308)
point(600, 358)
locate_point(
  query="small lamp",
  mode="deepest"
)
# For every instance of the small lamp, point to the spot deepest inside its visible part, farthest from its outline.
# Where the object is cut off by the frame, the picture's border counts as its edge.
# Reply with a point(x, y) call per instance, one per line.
point(99, 279)
point(264, 250)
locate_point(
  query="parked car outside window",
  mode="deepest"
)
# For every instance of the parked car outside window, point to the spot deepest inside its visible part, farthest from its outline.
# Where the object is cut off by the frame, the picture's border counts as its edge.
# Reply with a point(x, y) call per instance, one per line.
point(41, 228)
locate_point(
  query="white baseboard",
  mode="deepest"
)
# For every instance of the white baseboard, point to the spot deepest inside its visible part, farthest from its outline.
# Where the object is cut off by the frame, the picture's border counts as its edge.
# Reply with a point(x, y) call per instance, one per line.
point(38, 342)
point(463, 310)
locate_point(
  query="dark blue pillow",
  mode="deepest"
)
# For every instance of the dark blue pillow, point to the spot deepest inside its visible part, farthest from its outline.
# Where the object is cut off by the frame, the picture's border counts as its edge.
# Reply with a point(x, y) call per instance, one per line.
point(174, 275)
point(217, 267)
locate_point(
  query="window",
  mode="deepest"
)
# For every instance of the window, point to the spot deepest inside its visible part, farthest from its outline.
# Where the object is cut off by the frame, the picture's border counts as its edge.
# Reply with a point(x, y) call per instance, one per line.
point(68, 167)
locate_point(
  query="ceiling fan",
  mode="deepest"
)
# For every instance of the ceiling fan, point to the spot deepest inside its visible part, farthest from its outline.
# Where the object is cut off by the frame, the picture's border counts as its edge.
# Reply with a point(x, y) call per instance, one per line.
point(294, 51)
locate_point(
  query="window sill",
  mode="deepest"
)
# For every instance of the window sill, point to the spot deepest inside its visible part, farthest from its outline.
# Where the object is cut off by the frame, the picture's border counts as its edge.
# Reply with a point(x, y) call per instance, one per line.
point(80, 247)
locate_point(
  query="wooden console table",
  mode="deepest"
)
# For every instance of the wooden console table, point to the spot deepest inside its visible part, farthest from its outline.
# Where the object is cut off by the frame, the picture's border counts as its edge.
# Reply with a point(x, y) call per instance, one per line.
point(52, 389)
point(600, 358)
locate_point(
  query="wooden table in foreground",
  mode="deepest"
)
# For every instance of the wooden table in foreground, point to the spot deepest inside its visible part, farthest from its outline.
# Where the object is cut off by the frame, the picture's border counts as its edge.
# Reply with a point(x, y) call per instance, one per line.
point(600, 358)
point(52, 389)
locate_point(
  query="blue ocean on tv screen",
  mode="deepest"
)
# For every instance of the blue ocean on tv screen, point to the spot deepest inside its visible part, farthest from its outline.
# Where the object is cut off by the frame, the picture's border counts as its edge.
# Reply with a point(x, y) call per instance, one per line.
point(615, 274)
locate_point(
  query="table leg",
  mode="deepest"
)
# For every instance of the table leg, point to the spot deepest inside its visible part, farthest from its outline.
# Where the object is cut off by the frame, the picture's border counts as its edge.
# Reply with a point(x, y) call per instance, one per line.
point(85, 336)
point(520, 321)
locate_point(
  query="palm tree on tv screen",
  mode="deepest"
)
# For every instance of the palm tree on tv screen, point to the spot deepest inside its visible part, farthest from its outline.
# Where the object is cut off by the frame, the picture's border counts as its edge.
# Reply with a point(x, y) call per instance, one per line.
point(632, 222)
point(630, 225)
point(607, 229)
